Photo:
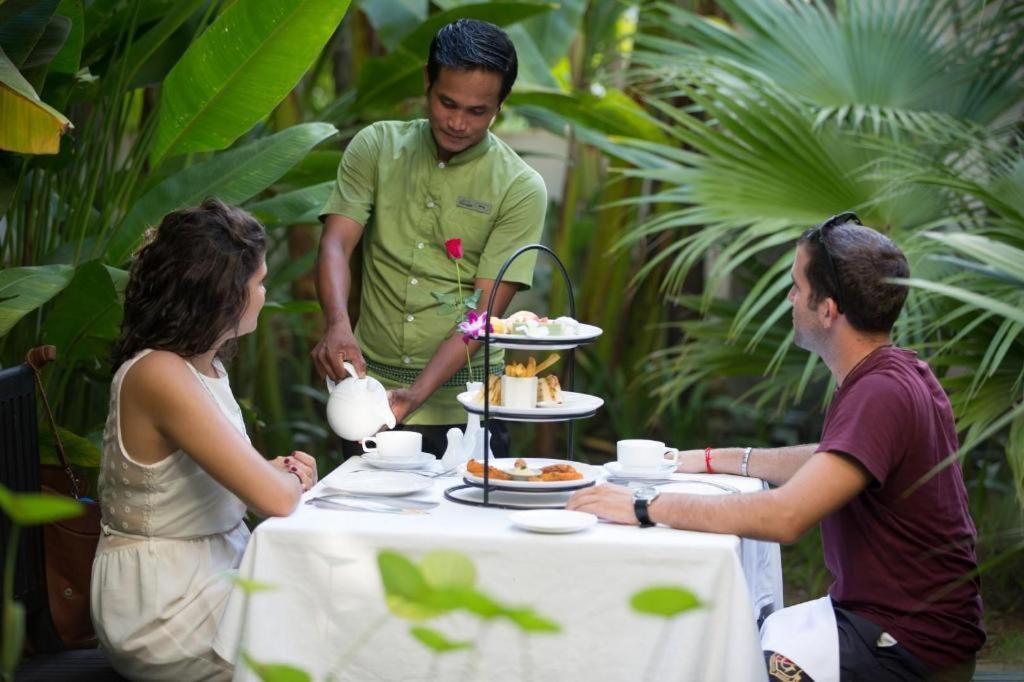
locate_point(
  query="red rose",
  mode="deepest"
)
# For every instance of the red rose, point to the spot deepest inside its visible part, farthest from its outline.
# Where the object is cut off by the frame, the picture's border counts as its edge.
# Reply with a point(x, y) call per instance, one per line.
point(454, 248)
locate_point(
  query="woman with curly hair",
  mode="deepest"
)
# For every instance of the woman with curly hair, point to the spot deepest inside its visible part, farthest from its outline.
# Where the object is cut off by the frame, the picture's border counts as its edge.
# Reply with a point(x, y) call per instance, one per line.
point(178, 470)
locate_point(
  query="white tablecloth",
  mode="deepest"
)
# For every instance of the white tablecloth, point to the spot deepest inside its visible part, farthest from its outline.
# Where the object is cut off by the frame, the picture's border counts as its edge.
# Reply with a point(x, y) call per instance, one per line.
point(327, 612)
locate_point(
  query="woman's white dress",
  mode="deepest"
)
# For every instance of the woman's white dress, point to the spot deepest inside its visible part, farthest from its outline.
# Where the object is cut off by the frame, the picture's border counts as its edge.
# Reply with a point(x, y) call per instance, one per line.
point(170, 531)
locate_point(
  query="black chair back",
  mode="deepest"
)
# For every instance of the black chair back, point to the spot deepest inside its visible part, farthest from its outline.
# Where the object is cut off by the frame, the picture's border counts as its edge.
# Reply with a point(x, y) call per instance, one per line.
point(19, 471)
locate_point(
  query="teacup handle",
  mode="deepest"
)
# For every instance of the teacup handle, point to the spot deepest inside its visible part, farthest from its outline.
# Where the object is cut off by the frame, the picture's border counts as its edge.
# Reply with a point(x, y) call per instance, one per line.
point(349, 367)
point(364, 441)
point(675, 455)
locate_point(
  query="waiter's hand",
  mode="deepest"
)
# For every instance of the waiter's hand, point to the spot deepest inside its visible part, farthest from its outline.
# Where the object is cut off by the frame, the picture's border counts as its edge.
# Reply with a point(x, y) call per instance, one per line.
point(337, 346)
point(403, 402)
point(610, 502)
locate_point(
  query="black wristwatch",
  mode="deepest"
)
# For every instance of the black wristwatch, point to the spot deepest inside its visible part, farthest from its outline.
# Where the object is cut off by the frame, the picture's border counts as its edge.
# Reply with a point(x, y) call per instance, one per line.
point(642, 499)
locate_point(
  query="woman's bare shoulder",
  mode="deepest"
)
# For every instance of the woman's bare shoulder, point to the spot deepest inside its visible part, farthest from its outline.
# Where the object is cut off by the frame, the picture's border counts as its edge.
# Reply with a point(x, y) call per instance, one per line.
point(160, 375)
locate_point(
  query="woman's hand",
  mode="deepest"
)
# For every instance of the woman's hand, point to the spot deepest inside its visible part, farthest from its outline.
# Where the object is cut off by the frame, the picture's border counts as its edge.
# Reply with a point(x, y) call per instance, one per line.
point(301, 465)
point(691, 462)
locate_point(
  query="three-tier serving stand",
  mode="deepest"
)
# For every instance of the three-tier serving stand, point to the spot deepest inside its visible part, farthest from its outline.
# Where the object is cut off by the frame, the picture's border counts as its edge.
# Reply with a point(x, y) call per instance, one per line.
point(458, 493)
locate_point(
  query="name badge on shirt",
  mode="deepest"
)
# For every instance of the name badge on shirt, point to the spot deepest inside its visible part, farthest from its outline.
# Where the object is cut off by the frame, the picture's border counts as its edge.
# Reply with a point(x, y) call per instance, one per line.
point(474, 205)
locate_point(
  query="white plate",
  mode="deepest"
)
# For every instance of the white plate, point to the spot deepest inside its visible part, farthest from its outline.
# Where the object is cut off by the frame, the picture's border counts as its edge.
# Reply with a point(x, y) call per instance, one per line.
point(421, 461)
point(510, 499)
point(574, 405)
point(661, 471)
point(589, 475)
point(587, 333)
point(552, 520)
point(386, 483)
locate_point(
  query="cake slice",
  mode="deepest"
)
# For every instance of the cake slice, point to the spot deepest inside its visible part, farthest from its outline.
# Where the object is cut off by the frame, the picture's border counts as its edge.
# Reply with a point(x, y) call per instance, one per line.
point(549, 390)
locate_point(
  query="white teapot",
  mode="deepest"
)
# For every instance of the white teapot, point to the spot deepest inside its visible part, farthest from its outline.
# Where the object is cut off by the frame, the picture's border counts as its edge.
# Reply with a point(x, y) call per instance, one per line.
point(358, 408)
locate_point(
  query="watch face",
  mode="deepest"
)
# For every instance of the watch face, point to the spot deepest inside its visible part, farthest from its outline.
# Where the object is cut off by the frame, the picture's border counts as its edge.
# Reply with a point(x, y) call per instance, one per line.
point(647, 493)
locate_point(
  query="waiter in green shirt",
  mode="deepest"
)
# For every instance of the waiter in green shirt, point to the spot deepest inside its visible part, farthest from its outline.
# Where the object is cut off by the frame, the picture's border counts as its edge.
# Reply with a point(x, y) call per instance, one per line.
point(404, 189)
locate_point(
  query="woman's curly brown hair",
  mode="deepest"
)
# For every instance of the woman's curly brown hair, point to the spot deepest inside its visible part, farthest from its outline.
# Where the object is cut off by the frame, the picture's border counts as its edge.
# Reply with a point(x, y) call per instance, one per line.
point(190, 284)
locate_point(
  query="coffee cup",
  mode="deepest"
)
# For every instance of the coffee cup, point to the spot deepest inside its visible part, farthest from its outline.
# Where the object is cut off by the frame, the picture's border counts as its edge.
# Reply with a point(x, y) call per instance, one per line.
point(643, 454)
point(394, 444)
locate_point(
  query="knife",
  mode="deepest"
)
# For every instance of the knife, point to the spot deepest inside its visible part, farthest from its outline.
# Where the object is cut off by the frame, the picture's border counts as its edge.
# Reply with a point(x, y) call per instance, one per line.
point(392, 503)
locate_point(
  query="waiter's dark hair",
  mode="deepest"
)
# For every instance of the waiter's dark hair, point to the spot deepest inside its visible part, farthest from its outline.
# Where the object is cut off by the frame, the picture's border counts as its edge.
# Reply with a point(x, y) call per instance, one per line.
point(190, 282)
point(468, 45)
point(864, 260)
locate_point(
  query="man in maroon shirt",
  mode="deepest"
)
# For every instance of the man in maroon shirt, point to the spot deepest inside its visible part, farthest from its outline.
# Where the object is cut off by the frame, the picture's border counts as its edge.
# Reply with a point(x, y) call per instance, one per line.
point(897, 536)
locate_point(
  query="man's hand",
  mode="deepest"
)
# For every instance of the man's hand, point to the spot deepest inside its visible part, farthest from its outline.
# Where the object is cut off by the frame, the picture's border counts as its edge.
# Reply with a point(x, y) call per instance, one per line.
point(337, 346)
point(610, 502)
point(403, 402)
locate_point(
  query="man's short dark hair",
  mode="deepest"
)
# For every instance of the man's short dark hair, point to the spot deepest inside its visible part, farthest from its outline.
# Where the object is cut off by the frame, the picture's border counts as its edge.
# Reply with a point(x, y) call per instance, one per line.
point(467, 45)
point(862, 259)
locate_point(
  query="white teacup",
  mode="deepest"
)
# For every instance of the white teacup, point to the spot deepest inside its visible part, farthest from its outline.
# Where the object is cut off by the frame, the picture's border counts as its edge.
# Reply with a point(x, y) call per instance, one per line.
point(643, 454)
point(394, 444)
point(519, 393)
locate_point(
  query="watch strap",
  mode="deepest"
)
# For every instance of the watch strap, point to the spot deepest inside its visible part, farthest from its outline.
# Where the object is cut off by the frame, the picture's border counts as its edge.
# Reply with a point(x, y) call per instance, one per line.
point(640, 509)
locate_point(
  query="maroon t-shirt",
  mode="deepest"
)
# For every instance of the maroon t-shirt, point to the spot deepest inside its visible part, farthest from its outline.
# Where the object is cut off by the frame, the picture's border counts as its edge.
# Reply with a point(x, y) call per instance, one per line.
point(895, 556)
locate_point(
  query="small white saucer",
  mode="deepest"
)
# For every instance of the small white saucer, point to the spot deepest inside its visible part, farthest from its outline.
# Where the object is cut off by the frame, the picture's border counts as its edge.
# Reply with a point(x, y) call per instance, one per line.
point(552, 520)
point(420, 461)
point(385, 483)
point(616, 470)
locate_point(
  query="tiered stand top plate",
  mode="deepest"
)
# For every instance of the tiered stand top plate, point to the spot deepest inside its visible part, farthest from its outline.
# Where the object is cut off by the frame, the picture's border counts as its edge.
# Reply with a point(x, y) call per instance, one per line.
point(588, 333)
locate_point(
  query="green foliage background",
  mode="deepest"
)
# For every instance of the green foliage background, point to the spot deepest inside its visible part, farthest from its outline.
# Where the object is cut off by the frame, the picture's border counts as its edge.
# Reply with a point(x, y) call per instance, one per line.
point(702, 138)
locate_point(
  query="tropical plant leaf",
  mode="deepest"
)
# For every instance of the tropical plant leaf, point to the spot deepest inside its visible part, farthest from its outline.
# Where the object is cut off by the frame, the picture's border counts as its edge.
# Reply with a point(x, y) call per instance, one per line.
point(293, 307)
point(610, 112)
point(666, 602)
point(437, 642)
point(292, 208)
point(275, 672)
point(529, 620)
point(78, 451)
point(990, 253)
point(67, 60)
point(861, 64)
point(980, 301)
point(13, 635)
point(86, 316)
point(30, 126)
point(20, 34)
point(394, 19)
point(23, 290)
point(238, 70)
point(446, 569)
point(400, 576)
point(233, 176)
point(35, 67)
point(142, 50)
point(34, 509)
point(250, 586)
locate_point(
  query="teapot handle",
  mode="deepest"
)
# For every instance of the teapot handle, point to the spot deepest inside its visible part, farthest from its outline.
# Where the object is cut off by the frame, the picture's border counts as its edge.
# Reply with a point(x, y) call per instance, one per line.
point(350, 368)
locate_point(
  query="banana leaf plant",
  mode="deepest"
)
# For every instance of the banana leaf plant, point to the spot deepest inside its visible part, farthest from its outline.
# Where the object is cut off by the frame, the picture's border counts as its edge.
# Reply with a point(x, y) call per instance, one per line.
point(167, 103)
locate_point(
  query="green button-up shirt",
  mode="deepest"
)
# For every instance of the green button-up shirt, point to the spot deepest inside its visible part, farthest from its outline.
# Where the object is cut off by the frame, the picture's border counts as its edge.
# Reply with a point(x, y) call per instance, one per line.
point(410, 203)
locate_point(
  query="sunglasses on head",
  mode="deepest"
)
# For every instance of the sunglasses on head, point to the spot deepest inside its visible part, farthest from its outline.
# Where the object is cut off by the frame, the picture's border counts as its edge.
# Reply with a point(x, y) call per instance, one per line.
point(820, 235)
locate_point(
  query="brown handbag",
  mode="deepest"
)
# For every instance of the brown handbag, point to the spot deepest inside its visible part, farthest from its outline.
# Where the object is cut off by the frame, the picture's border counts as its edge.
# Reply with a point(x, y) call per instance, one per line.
point(69, 546)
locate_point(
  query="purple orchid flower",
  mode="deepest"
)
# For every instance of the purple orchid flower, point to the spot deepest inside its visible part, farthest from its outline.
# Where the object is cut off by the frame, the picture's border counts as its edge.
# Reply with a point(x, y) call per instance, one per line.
point(473, 326)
